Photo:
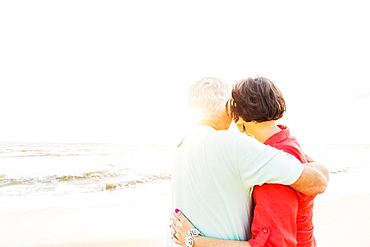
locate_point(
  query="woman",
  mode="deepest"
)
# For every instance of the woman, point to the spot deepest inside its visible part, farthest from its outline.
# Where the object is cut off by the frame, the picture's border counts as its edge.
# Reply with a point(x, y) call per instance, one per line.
point(282, 215)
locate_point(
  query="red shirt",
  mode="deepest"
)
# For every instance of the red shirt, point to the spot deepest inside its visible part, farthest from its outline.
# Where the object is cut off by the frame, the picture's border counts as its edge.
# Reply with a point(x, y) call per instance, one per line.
point(282, 215)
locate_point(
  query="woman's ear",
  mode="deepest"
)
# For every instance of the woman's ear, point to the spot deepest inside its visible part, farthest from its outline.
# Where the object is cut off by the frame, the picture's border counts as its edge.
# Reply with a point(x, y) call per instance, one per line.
point(240, 125)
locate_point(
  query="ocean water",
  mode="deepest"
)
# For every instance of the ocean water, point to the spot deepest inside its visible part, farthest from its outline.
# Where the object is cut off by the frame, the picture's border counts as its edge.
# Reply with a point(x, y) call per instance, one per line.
point(57, 169)
point(41, 175)
point(341, 158)
point(349, 167)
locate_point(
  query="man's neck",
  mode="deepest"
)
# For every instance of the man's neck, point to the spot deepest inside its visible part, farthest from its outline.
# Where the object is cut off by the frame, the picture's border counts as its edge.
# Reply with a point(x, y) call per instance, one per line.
point(262, 131)
point(217, 125)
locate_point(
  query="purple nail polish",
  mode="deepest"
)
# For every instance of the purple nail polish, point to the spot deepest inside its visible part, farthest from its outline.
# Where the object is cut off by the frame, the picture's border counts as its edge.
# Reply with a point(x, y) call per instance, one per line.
point(176, 210)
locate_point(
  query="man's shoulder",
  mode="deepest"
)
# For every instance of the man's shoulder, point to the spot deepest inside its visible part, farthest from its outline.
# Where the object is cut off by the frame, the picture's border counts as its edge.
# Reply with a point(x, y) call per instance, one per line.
point(229, 136)
point(229, 133)
point(222, 138)
point(235, 141)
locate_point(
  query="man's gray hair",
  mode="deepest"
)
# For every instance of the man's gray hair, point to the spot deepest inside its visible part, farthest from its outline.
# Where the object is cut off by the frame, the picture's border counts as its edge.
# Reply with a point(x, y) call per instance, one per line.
point(208, 97)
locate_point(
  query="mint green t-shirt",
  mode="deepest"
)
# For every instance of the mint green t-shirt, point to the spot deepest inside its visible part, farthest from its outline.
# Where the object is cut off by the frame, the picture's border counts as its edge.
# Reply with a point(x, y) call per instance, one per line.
point(213, 177)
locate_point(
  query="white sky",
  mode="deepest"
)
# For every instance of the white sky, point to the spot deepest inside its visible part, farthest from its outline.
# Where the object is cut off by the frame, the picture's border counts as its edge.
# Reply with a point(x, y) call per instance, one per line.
point(117, 71)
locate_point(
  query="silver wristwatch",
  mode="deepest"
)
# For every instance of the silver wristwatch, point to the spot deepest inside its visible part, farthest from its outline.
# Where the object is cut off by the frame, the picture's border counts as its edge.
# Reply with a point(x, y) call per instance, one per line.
point(189, 239)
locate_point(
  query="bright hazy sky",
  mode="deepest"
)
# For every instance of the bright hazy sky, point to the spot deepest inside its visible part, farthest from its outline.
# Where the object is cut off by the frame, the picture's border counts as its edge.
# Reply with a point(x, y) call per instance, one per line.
point(117, 71)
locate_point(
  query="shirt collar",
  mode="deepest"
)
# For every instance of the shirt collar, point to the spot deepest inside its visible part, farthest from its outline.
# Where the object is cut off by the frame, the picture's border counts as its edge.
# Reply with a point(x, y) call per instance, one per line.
point(280, 136)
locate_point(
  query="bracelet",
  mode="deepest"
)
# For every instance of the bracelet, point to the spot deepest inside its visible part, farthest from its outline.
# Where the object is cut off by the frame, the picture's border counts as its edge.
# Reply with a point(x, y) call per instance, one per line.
point(189, 239)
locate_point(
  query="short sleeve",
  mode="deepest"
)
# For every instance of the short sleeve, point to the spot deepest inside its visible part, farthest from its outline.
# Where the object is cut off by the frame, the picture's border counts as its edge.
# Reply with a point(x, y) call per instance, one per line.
point(259, 164)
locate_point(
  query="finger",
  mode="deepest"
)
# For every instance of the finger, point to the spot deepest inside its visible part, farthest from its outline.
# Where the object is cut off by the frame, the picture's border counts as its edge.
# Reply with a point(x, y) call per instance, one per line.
point(180, 216)
point(174, 221)
point(177, 241)
point(174, 216)
point(175, 227)
point(309, 159)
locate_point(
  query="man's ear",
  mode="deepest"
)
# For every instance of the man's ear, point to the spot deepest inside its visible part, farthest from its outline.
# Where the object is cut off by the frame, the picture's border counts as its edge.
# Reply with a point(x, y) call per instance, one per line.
point(228, 108)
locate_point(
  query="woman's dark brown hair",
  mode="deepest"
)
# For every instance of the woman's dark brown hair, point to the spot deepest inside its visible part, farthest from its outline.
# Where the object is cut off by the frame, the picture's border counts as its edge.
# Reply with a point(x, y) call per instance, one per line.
point(257, 100)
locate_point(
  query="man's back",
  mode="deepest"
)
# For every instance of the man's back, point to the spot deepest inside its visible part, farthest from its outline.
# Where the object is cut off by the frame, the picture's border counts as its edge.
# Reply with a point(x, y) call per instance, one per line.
point(207, 185)
point(213, 173)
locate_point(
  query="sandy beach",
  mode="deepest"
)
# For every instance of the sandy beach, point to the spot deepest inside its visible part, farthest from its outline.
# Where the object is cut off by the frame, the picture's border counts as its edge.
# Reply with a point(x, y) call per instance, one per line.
point(341, 222)
point(156, 241)
point(338, 222)
point(140, 219)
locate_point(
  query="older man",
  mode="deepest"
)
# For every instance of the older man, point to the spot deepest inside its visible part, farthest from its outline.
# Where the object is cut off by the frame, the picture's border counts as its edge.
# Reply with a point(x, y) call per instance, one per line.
point(215, 169)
